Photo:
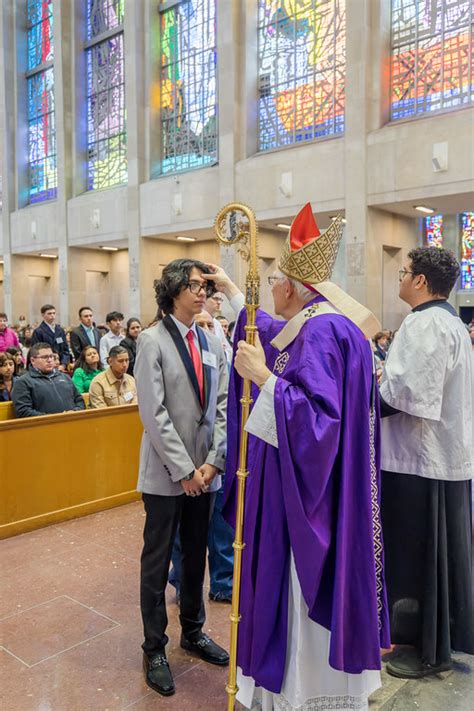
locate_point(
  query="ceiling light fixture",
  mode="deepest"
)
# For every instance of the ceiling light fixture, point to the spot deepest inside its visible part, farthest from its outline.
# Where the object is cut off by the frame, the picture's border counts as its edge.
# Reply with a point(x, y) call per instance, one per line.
point(186, 239)
point(48, 256)
point(423, 208)
point(109, 249)
point(284, 226)
point(333, 217)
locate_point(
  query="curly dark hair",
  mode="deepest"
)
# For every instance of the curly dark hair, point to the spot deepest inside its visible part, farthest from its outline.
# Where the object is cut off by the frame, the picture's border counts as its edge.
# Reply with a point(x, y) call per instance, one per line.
point(439, 267)
point(174, 279)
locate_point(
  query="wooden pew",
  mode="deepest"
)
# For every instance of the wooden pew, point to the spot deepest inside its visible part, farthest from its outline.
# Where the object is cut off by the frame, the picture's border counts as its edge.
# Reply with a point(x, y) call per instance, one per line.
point(8, 413)
point(58, 467)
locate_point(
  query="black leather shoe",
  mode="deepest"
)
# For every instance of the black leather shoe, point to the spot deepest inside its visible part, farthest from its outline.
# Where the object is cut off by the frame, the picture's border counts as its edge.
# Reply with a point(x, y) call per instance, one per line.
point(205, 648)
point(158, 674)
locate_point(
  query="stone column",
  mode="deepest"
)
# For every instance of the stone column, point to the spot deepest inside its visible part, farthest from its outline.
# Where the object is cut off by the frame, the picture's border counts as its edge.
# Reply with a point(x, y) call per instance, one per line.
point(7, 138)
point(236, 39)
point(134, 47)
point(367, 53)
point(63, 92)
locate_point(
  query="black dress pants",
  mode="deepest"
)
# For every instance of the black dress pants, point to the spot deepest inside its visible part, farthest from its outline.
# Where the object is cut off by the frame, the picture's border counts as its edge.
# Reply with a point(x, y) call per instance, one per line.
point(163, 515)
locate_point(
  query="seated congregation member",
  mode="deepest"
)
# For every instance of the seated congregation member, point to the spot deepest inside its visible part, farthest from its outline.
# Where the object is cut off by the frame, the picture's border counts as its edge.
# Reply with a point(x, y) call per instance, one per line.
point(134, 328)
point(313, 606)
point(8, 336)
point(114, 386)
point(17, 355)
point(7, 376)
point(181, 379)
point(44, 390)
point(427, 463)
point(50, 332)
point(86, 334)
point(87, 367)
point(113, 337)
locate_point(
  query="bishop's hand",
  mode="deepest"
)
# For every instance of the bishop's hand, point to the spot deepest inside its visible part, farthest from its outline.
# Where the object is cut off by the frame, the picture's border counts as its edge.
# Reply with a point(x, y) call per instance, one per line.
point(221, 280)
point(250, 362)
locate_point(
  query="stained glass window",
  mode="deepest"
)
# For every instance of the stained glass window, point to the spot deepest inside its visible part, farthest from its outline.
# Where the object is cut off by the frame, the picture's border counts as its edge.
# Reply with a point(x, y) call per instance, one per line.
point(467, 250)
point(106, 120)
point(43, 176)
point(434, 230)
point(432, 56)
point(301, 70)
point(188, 95)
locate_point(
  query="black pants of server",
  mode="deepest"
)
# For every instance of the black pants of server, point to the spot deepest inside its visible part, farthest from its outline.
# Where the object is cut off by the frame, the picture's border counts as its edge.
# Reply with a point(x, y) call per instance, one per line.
point(163, 514)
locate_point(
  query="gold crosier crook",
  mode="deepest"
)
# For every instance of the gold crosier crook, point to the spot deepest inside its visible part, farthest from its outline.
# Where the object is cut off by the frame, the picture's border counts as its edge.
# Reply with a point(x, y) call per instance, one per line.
point(236, 224)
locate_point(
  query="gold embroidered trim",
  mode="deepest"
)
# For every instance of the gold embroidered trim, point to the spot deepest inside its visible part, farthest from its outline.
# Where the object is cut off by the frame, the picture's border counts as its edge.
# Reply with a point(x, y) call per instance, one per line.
point(313, 262)
point(280, 363)
point(377, 528)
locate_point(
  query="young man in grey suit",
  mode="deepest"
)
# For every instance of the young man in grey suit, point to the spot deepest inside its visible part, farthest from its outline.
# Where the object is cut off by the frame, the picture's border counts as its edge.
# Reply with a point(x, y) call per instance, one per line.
point(181, 377)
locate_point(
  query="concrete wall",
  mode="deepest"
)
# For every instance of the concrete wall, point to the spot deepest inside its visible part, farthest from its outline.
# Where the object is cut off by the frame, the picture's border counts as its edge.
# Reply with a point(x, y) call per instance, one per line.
point(375, 173)
point(34, 282)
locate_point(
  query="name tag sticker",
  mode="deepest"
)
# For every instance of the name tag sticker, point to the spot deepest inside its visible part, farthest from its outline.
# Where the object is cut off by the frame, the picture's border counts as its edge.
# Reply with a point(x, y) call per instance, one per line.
point(128, 396)
point(59, 340)
point(209, 358)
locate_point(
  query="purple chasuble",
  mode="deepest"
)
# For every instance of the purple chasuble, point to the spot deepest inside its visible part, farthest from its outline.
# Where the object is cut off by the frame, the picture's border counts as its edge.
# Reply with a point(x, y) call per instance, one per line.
point(316, 495)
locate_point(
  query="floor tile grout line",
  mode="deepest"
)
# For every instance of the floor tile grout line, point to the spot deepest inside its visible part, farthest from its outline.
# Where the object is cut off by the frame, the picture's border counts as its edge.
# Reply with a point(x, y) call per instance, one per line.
point(27, 609)
point(14, 656)
point(136, 701)
point(92, 609)
point(74, 646)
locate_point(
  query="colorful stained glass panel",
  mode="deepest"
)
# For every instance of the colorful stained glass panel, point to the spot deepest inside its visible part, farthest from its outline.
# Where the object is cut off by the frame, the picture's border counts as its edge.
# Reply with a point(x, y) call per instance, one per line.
point(106, 120)
point(467, 250)
point(188, 86)
point(40, 32)
point(434, 230)
point(301, 70)
point(432, 66)
point(104, 15)
point(42, 170)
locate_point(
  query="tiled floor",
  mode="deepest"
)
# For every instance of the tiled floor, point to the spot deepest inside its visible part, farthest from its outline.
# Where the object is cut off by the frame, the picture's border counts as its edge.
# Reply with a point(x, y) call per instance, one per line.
point(70, 629)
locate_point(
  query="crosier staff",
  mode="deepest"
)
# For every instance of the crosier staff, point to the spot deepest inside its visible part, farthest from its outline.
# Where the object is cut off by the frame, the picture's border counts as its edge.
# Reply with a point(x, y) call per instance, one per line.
point(236, 224)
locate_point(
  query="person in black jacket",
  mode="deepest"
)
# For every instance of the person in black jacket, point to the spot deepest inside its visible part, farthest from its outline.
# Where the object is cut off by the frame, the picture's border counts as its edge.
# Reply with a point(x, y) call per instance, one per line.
point(49, 332)
point(43, 390)
point(134, 328)
point(86, 334)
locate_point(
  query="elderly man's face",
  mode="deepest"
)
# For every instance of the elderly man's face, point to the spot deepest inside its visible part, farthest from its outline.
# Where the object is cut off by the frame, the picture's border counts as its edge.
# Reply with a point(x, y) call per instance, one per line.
point(279, 293)
point(205, 321)
point(214, 303)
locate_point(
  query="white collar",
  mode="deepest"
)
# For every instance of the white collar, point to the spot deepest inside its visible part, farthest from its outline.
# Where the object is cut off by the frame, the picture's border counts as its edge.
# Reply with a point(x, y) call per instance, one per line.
point(183, 329)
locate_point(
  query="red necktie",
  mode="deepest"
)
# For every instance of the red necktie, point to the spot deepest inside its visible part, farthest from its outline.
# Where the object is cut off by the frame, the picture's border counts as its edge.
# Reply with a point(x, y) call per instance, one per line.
point(197, 363)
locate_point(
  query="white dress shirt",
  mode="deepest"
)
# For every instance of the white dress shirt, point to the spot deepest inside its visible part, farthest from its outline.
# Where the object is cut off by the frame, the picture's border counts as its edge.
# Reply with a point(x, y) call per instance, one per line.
point(428, 377)
point(108, 341)
point(184, 330)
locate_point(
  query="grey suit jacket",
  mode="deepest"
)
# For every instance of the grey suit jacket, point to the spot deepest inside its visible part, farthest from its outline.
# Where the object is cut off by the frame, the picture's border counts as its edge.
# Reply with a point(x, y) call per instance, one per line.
point(179, 434)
